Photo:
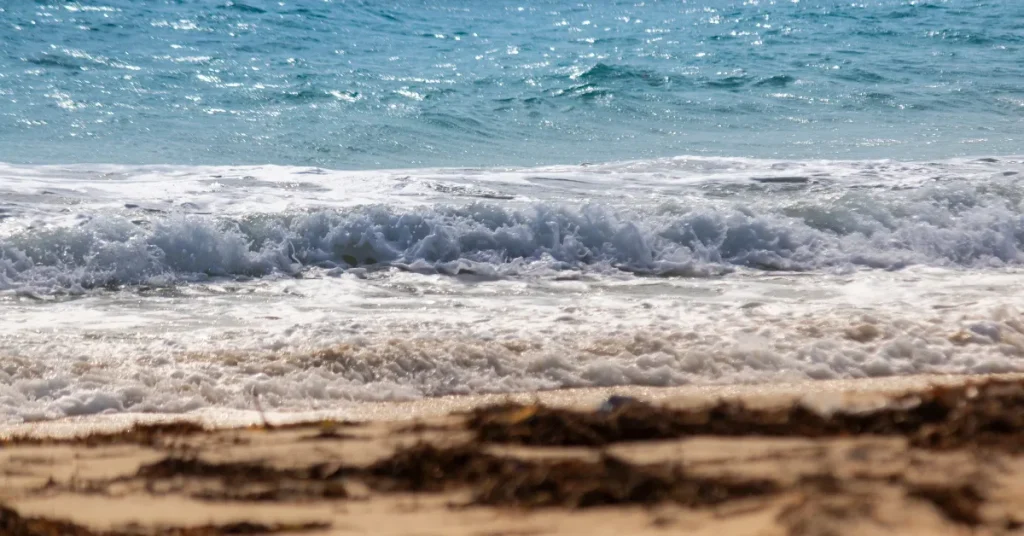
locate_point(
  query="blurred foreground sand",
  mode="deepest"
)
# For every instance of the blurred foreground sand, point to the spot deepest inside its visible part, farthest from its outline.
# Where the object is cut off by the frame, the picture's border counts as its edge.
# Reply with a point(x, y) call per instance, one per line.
point(928, 455)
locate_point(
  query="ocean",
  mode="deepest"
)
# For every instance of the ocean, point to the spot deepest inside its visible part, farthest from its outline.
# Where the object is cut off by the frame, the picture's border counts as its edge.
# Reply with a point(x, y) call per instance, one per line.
point(298, 205)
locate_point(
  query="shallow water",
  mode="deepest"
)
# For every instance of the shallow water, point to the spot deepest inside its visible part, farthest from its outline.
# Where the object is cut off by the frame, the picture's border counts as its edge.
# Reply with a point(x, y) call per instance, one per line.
point(169, 289)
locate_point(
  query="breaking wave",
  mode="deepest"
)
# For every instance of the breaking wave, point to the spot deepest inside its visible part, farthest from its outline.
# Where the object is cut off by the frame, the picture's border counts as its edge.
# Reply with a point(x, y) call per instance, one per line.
point(952, 226)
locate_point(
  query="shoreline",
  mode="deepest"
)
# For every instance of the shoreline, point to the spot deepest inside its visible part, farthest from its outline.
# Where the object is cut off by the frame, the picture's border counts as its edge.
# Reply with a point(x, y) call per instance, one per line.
point(820, 393)
point(929, 455)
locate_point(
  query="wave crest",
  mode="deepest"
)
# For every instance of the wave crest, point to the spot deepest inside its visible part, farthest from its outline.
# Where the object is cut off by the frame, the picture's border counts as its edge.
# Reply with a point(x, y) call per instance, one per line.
point(943, 227)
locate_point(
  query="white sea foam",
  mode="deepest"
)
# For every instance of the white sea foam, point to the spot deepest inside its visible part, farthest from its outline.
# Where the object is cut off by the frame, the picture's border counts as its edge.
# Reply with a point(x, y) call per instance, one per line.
point(320, 343)
point(252, 227)
point(169, 289)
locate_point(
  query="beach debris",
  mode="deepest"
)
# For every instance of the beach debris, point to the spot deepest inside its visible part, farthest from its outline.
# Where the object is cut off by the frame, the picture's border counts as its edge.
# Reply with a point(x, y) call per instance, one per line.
point(615, 402)
point(610, 481)
point(520, 414)
point(962, 504)
point(988, 413)
point(535, 483)
point(13, 524)
point(154, 434)
point(247, 481)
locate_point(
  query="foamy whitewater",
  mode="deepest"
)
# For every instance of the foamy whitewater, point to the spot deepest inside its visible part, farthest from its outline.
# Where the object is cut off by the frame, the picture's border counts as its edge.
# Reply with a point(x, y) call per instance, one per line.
point(211, 207)
point(170, 289)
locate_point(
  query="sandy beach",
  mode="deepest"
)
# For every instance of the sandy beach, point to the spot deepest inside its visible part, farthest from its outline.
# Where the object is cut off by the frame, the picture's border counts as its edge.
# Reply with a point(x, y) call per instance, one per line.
point(918, 455)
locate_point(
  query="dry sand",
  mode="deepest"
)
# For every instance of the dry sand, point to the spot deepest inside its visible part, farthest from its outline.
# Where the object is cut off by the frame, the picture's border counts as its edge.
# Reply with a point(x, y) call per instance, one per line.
point(924, 455)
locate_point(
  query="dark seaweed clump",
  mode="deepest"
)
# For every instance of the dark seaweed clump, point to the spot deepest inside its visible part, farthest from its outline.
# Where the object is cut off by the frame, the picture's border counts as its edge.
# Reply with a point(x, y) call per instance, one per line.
point(13, 524)
point(989, 414)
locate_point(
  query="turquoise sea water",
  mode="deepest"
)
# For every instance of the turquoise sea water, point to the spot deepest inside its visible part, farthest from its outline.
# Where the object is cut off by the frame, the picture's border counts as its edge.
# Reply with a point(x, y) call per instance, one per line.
point(372, 84)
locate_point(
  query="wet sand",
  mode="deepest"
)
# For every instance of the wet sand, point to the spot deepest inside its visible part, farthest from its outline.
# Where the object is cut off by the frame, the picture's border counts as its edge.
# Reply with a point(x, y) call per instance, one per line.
point(928, 455)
